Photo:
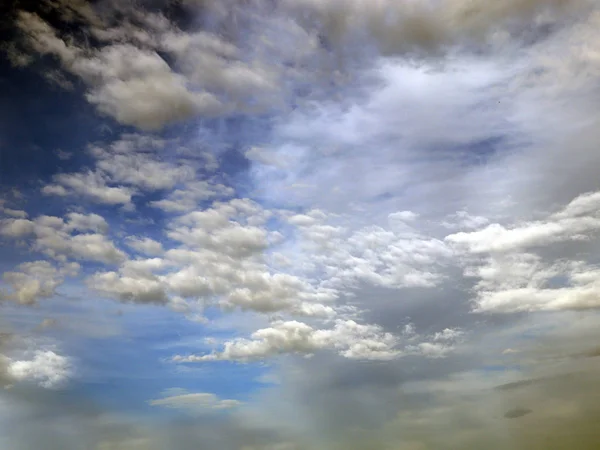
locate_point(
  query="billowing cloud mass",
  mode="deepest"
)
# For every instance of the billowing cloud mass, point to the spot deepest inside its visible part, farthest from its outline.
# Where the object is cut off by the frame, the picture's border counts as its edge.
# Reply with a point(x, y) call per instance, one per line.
point(332, 224)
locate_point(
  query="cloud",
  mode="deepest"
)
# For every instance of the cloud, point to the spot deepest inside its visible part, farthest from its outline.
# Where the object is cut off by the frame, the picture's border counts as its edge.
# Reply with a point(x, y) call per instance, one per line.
point(387, 228)
point(136, 287)
point(425, 28)
point(36, 280)
point(86, 222)
point(350, 339)
point(137, 87)
point(14, 212)
point(188, 198)
point(145, 245)
point(513, 276)
point(347, 337)
point(135, 164)
point(91, 185)
point(393, 257)
point(46, 368)
point(60, 239)
point(134, 85)
point(197, 402)
point(140, 169)
point(129, 79)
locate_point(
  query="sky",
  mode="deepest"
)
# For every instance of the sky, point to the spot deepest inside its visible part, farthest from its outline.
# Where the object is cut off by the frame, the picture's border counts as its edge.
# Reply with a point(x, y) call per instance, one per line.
point(299, 224)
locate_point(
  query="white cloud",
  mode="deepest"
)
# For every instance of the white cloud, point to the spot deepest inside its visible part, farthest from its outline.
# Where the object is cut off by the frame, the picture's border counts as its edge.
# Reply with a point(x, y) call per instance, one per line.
point(16, 228)
point(395, 258)
point(133, 164)
point(46, 368)
point(134, 287)
point(497, 238)
point(145, 245)
point(137, 87)
point(511, 274)
point(197, 402)
point(464, 220)
point(14, 212)
point(129, 80)
point(133, 85)
point(86, 222)
point(89, 184)
point(348, 338)
point(139, 169)
point(55, 237)
point(574, 222)
point(403, 216)
point(190, 195)
point(439, 344)
point(36, 280)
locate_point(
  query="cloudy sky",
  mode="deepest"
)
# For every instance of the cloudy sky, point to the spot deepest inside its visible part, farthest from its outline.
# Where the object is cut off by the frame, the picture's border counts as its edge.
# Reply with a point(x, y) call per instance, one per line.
point(299, 224)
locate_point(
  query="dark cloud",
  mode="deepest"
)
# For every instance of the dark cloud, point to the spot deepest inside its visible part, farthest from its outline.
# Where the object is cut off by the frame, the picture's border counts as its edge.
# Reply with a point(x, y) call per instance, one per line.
point(516, 413)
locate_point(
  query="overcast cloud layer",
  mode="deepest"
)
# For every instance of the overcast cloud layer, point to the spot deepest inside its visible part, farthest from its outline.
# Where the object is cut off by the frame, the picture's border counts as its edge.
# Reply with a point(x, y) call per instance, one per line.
point(299, 224)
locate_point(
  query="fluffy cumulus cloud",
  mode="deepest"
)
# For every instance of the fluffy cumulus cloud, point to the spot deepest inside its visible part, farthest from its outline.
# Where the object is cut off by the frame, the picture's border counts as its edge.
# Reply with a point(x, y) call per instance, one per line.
point(147, 72)
point(46, 368)
point(36, 280)
point(335, 224)
point(62, 239)
point(351, 339)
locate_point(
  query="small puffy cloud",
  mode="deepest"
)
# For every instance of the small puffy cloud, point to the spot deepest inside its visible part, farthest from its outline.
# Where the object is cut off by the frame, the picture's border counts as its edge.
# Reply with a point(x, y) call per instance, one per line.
point(36, 280)
point(92, 185)
point(16, 228)
point(440, 344)
point(47, 368)
point(86, 222)
point(348, 338)
point(137, 167)
point(403, 216)
point(60, 240)
point(187, 198)
point(199, 402)
point(130, 287)
point(20, 214)
point(133, 164)
point(218, 230)
point(379, 256)
point(145, 245)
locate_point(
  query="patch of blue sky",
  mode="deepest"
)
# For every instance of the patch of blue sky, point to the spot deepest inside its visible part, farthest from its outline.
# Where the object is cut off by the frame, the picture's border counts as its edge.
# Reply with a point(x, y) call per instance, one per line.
point(38, 124)
point(501, 368)
point(122, 353)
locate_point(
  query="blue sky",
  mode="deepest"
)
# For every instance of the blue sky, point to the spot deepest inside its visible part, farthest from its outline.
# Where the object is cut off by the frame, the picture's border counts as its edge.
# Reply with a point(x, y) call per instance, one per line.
point(299, 224)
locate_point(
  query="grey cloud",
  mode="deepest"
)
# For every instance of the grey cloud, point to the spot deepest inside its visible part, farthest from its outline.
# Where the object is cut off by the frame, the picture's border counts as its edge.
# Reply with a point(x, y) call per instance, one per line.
point(517, 412)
